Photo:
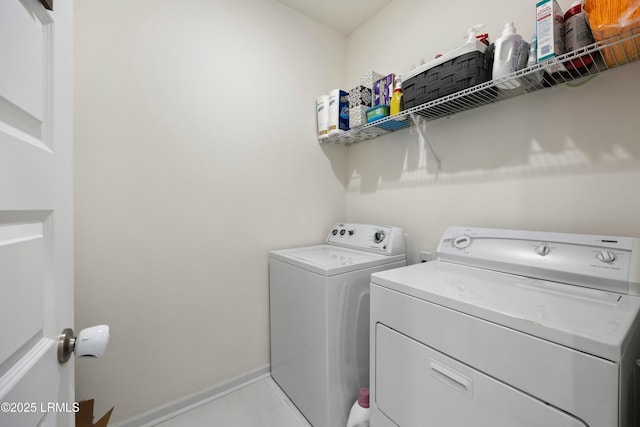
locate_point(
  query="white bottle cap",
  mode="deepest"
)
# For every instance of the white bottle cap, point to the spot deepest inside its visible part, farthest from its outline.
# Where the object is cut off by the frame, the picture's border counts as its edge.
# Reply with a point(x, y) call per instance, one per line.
point(509, 28)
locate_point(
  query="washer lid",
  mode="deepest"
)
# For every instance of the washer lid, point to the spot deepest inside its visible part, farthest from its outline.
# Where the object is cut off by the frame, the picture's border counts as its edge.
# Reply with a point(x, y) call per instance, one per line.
point(588, 320)
point(329, 260)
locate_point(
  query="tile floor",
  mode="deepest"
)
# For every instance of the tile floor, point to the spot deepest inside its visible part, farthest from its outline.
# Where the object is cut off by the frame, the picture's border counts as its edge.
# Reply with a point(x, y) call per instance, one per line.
point(260, 404)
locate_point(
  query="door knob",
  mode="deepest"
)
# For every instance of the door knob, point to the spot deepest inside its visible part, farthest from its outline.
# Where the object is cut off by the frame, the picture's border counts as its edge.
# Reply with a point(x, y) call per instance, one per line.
point(90, 342)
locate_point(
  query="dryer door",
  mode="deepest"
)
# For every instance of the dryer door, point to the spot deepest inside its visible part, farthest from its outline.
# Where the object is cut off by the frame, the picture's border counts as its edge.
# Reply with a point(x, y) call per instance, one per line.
point(418, 386)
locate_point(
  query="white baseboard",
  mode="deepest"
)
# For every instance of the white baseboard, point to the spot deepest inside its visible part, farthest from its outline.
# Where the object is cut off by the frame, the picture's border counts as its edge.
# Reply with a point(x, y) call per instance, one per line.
point(184, 404)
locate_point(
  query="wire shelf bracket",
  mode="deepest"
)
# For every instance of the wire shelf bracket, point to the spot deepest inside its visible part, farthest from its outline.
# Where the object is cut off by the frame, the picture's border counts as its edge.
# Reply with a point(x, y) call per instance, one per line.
point(417, 121)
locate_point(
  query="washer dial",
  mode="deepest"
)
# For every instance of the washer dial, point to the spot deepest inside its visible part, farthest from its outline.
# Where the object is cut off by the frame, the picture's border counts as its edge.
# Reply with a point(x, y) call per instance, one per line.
point(461, 242)
point(606, 256)
point(543, 249)
point(379, 236)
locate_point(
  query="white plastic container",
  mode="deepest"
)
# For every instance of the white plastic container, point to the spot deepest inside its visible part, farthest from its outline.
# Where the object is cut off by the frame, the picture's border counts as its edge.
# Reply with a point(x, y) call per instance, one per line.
point(322, 108)
point(334, 112)
point(359, 415)
point(506, 55)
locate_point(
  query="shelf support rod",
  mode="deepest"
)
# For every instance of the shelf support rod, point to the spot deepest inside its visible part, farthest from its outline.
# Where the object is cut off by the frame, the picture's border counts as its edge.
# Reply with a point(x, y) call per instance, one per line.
point(416, 120)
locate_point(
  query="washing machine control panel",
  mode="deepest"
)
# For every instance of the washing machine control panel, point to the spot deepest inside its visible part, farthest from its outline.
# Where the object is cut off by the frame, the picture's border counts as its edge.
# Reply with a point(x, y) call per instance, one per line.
point(602, 262)
point(381, 239)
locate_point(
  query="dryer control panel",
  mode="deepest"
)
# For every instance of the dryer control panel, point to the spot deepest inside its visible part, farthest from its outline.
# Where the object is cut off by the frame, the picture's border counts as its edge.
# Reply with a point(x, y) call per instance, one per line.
point(382, 239)
point(609, 263)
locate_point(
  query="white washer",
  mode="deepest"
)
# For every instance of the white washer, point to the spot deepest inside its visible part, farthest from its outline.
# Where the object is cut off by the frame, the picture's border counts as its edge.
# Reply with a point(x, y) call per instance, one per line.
point(509, 329)
point(319, 317)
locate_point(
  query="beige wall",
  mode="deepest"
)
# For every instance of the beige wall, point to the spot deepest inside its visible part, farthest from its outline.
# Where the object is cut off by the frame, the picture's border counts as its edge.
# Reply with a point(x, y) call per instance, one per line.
point(195, 155)
point(565, 159)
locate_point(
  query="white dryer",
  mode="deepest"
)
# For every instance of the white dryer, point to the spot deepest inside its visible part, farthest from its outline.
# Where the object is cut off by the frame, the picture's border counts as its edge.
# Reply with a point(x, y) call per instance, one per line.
point(319, 317)
point(509, 329)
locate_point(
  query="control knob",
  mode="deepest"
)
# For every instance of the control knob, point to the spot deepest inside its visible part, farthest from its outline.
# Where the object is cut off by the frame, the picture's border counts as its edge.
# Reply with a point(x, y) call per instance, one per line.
point(543, 249)
point(379, 236)
point(606, 256)
point(461, 242)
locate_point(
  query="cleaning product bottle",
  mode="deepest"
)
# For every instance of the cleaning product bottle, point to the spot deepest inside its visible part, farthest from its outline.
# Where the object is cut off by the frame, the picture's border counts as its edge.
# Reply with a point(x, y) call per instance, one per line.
point(507, 52)
point(535, 77)
point(577, 35)
point(474, 40)
point(359, 415)
point(396, 98)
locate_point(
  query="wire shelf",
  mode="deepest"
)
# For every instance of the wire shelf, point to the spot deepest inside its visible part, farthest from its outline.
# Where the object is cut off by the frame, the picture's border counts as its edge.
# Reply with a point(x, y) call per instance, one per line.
point(584, 63)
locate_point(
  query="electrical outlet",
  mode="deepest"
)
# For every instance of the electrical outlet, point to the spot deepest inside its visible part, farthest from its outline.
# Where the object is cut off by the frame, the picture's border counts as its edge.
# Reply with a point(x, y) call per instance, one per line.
point(425, 256)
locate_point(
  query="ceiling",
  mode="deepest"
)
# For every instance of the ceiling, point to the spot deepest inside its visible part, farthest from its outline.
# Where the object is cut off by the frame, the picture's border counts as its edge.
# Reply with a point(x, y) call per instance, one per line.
point(343, 16)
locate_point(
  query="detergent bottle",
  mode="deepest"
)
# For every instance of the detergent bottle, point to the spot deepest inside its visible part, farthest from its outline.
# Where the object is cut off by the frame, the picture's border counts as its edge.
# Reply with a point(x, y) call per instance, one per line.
point(359, 415)
point(507, 52)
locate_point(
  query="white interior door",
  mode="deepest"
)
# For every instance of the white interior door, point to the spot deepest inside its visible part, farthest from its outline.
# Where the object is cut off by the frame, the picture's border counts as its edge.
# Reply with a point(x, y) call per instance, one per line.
point(36, 201)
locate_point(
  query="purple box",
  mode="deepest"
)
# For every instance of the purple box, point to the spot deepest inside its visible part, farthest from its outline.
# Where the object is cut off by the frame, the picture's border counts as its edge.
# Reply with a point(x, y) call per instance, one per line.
point(383, 90)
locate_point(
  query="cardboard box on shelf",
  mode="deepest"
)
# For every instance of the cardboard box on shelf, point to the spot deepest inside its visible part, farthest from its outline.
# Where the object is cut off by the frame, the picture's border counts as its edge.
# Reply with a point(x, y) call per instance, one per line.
point(383, 89)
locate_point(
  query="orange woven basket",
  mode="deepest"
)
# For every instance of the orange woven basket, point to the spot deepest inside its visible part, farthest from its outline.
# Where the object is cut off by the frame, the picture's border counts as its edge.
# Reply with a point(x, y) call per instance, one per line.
point(615, 19)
